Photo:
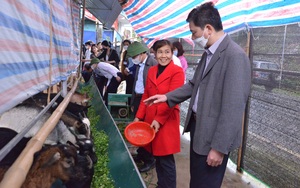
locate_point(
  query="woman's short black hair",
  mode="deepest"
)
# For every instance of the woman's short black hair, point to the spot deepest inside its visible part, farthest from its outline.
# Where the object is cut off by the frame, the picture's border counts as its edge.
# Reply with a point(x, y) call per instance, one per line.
point(88, 43)
point(106, 43)
point(160, 43)
point(179, 47)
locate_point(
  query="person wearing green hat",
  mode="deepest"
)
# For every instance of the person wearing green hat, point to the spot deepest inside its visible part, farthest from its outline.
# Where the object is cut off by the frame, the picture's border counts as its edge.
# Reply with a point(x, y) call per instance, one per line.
point(138, 52)
point(110, 72)
point(143, 61)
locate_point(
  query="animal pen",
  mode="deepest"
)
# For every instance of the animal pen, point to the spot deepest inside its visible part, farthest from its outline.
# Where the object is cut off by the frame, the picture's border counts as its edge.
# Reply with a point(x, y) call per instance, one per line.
point(41, 43)
point(41, 48)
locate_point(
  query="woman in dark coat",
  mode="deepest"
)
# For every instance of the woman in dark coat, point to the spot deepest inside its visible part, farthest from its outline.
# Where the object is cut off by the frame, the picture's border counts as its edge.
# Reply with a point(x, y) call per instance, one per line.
point(109, 55)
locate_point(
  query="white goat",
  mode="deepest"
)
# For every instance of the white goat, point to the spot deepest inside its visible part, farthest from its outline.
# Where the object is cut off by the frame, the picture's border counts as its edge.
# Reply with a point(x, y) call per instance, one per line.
point(20, 116)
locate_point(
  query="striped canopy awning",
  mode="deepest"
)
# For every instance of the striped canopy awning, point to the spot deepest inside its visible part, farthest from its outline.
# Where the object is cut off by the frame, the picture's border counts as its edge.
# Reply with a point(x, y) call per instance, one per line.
point(153, 20)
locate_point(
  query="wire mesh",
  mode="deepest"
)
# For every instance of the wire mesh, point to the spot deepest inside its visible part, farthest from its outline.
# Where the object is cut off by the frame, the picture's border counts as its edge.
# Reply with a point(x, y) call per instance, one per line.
point(272, 145)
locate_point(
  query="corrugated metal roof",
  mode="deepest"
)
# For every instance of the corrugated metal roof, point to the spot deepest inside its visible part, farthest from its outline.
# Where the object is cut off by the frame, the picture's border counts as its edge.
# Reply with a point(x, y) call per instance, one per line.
point(107, 11)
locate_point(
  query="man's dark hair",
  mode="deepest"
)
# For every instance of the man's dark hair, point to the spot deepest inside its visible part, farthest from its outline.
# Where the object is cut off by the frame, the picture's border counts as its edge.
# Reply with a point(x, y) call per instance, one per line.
point(87, 66)
point(126, 40)
point(206, 14)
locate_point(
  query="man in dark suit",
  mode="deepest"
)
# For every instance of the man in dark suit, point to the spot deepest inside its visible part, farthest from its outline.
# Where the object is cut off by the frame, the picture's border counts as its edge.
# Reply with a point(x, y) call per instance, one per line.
point(138, 52)
point(219, 92)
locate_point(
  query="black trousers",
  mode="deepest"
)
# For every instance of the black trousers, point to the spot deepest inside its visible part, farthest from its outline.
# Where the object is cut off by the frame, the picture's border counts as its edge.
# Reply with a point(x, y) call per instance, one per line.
point(136, 103)
point(86, 76)
point(143, 154)
point(129, 83)
point(203, 175)
point(100, 82)
point(166, 171)
point(112, 87)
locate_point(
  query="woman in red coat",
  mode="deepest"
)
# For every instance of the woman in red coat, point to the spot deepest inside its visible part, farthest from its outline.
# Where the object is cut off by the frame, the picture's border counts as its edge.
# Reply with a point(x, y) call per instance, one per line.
point(162, 78)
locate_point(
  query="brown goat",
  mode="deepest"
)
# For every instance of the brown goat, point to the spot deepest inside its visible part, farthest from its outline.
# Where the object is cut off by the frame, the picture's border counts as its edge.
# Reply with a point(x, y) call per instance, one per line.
point(50, 164)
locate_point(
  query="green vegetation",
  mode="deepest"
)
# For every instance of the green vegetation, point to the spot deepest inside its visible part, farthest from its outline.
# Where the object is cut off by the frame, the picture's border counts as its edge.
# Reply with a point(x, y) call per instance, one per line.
point(102, 177)
point(85, 89)
point(121, 127)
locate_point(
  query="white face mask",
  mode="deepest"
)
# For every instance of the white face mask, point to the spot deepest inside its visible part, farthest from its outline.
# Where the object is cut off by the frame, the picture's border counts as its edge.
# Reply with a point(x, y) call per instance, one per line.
point(202, 41)
point(136, 60)
point(175, 52)
point(125, 47)
point(94, 66)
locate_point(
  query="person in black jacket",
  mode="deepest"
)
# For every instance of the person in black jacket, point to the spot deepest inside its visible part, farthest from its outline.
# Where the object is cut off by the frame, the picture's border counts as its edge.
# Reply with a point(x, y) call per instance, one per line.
point(109, 55)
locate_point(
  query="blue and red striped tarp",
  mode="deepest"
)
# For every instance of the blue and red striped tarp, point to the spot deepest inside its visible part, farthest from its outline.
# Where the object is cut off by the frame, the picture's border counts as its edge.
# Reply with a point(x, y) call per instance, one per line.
point(29, 28)
point(39, 47)
point(154, 20)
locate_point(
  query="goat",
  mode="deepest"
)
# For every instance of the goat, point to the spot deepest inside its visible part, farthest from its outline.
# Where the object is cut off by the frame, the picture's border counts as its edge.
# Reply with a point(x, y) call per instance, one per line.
point(53, 163)
point(20, 116)
point(13, 122)
point(78, 103)
point(74, 114)
point(78, 126)
point(6, 135)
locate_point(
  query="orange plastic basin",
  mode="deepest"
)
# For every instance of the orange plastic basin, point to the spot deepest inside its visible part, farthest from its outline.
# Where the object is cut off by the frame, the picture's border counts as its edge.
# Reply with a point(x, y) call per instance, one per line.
point(139, 133)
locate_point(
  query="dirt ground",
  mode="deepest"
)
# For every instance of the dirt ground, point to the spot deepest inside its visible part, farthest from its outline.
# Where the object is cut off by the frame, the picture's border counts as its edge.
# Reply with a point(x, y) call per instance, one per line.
point(231, 179)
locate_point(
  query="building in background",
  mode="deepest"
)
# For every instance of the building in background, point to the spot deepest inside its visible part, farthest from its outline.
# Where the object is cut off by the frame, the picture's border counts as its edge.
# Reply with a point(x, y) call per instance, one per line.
point(95, 31)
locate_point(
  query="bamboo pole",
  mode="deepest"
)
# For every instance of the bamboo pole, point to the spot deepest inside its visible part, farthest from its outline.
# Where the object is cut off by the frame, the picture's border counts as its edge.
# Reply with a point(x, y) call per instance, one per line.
point(16, 174)
point(50, 50)
point(12, 143)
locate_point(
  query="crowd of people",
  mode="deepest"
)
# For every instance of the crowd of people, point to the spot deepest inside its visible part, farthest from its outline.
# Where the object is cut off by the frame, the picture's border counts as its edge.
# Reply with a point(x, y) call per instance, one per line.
point(155, 77)
point(126, 66)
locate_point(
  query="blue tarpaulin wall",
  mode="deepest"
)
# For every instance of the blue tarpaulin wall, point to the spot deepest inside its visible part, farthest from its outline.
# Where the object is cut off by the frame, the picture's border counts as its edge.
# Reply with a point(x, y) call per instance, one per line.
point(39, 47)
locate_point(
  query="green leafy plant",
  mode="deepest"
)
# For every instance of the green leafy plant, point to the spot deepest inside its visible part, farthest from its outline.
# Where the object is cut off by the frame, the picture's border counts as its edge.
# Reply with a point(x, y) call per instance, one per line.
point(102, 177)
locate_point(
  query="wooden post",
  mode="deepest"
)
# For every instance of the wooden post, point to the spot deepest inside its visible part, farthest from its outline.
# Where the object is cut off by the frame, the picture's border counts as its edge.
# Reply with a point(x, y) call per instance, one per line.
point(16, 174)
point(241, 150)
point(81, 40)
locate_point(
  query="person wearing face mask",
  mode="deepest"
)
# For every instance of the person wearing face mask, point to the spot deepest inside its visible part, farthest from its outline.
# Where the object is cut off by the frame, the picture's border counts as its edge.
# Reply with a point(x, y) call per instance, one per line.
point(127, 67)
point(218, 95)
point(87, 53)
point(176, 60)
point(86, 60)
point(178, 52)
point(109, 55)
point(151, 52)
point(143, 61)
